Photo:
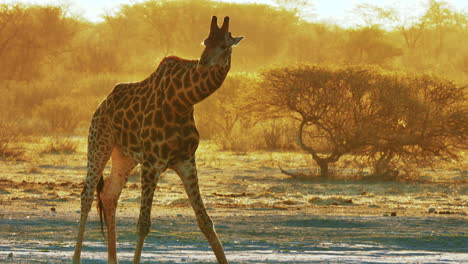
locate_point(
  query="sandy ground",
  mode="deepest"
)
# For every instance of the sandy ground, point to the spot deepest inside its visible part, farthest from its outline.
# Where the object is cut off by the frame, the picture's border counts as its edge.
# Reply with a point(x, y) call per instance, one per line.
point(263, 238)
point(273, 218)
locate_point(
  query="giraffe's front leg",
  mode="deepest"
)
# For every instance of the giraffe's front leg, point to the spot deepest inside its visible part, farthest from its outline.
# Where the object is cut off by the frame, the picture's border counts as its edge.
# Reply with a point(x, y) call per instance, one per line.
point(149, 179)
point(187, 171)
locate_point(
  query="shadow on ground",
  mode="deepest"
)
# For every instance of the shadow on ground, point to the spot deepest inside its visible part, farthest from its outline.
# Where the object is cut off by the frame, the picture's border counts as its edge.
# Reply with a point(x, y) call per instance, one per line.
point(248, 239)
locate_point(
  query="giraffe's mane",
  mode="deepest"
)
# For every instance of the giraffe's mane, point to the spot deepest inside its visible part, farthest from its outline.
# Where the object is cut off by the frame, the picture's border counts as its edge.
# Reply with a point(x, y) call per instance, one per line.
point(177, 59)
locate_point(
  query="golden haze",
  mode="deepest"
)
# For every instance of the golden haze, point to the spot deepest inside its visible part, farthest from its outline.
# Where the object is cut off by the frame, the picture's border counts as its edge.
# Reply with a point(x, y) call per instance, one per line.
point(56, 67)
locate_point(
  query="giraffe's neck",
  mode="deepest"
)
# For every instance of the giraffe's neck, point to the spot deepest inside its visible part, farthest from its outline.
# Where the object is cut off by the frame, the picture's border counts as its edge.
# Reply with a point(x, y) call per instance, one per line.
point(184, 83)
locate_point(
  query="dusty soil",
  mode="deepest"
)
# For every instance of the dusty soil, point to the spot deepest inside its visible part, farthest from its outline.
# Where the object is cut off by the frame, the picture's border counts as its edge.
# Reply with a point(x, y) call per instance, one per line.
point(273, 218)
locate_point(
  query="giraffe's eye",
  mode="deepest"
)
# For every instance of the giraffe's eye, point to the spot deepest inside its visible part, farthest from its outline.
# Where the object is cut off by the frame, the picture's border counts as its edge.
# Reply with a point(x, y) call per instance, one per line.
point(224, 46)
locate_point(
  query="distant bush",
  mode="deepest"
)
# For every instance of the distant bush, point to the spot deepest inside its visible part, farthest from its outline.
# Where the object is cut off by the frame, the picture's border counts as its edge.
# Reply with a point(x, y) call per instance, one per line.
point(222, 112)
point(237, 141)
point(59, 145)
point(276, 135)
point(262, 136)
point(60, 115)
point(225, 117)
point(31, 35)
point(7, 137)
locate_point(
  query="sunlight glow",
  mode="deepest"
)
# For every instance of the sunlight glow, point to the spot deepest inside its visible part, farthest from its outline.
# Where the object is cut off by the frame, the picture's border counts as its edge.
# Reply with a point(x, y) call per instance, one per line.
point(332, 11)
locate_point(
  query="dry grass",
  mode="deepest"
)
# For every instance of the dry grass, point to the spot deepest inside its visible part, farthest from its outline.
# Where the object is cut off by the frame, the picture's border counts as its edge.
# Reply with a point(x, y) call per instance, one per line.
point(7, 150)
point(265, 136)
point(59, 114)
point(58, 145)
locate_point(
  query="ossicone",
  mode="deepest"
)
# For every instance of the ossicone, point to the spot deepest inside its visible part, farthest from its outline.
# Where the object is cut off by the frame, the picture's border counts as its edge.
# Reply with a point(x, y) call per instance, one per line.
point(214, 24)
point(225, 26)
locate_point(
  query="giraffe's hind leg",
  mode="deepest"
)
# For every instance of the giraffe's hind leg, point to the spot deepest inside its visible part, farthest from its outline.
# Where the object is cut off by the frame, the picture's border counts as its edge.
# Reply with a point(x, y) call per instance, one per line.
point(113, 185)
point(99, 150)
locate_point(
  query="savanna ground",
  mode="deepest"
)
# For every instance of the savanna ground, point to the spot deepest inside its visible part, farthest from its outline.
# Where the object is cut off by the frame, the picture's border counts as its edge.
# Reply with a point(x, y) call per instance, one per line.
point(261, 215)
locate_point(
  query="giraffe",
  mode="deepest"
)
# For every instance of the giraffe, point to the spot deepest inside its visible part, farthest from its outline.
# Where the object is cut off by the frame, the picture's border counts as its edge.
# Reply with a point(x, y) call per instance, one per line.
point(151, 123)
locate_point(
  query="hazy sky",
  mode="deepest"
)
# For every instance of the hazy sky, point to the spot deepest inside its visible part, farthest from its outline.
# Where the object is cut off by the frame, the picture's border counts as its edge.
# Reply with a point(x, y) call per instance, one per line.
point(338, 11)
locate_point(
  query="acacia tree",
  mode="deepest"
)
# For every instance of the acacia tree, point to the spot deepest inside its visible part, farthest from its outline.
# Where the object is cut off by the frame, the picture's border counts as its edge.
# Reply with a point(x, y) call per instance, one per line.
point(31, 36)
point(353, 110)
point(410, 27)
point(369, 45)
point(326, 102)
point(438, 32)
point(438, 17)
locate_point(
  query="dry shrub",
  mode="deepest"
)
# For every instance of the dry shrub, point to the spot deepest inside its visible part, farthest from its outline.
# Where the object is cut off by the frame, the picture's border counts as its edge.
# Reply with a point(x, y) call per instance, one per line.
point(61, 115)
point(240, 137)
point(59, 145)
point(223, 112)
point(236, 141)
point(7, 136)
point(60, 103)
point(278, 135)
point(28, 95)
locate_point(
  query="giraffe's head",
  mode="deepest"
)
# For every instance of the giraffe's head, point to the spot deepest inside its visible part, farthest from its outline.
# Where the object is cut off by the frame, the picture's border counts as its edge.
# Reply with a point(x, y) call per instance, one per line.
point(218, 45)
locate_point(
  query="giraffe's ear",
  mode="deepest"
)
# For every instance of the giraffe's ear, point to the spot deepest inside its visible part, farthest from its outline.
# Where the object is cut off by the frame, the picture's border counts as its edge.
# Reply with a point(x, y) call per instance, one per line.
point(236, 40)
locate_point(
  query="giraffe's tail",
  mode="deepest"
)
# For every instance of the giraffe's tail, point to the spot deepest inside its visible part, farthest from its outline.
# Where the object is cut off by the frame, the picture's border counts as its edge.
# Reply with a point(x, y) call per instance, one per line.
point(99, 205)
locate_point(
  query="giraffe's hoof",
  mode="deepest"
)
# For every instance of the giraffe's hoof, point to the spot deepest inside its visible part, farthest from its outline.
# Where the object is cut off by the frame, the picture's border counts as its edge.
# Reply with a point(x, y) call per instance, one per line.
point(76, 260)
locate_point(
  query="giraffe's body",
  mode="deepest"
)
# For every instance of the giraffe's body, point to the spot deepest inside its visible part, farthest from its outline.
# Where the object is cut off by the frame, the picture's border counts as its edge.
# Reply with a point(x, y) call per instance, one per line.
point(155, 116)
point(151, 123)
